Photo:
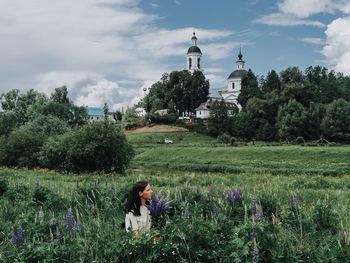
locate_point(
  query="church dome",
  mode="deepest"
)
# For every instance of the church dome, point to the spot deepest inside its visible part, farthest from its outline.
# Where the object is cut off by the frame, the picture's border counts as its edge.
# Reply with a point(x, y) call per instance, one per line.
point(238, 73)
point(194, 49)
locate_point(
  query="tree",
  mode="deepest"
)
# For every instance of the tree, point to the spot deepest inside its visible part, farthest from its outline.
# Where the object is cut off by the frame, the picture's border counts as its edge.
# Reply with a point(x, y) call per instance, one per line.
point(291, 120)
point(272, 82)
point(8, 122)
point(219, 121)
point(105, 111)
point(130, 118)
point(60, 95)
point(249, 88)
point(180, 88)
point(336, 123)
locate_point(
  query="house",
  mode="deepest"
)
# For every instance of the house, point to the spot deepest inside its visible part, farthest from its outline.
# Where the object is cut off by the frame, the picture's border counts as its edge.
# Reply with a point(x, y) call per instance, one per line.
point(97, 114)
point(203, 111)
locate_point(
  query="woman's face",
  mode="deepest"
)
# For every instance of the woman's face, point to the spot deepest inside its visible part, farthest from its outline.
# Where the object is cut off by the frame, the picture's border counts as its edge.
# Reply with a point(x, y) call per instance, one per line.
point(147, 193)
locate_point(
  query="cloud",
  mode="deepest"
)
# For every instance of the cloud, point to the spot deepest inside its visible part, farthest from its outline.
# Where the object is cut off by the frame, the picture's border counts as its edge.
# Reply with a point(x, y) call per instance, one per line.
point(177, 2)
point(312, 40)
point(281, 19)
point(303, 9)
point(154, 5)
point(100, 49)
point(337, 48)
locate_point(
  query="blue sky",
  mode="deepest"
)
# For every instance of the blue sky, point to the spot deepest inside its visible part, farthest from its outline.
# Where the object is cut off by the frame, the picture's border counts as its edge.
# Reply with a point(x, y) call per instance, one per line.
point(109, 50)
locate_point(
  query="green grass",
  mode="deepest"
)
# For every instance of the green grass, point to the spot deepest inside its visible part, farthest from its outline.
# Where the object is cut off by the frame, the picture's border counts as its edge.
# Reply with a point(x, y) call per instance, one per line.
point(198, 152)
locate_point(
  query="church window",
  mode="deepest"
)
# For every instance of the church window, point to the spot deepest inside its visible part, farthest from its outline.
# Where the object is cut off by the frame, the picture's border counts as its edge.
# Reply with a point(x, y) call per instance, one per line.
point(190, 63)
point(233, 85)
point(199, 63)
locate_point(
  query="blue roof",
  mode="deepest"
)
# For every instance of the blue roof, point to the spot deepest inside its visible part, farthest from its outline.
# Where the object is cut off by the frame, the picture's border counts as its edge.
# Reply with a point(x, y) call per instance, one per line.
point(94, 111)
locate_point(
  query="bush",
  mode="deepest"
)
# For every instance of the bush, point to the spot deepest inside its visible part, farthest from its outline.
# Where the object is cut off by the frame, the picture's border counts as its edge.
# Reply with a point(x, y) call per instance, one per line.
point(224, 138)
point(94, 147)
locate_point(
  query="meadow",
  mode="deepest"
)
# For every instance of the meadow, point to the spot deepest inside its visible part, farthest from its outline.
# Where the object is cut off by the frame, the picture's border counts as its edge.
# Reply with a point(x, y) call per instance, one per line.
point(251, 203)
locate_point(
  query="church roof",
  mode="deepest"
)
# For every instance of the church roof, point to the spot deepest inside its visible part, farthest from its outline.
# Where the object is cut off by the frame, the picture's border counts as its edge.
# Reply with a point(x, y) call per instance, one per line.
point(238, 73)
point(194, 49)
point(94, 111)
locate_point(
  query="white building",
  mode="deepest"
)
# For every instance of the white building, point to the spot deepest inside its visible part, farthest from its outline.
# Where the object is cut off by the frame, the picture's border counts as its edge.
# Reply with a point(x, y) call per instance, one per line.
point(234, 82)
point(229, 94)
point(97, 114)
point(194, 56)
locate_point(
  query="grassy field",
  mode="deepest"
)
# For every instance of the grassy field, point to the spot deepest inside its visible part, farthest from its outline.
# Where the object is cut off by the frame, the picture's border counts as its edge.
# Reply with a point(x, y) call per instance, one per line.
point(204, 172)
point(198, 152)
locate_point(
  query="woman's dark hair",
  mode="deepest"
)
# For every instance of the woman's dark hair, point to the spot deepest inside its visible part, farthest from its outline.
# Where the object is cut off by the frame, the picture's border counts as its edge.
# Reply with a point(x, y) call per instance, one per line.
point(134, 200)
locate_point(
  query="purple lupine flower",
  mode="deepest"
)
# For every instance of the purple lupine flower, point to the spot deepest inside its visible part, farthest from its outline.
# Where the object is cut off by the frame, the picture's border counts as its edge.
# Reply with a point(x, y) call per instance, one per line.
point(79, 226)
point(259, 213)
point(254, 205)
point(255, 253)
point(58, 238)
point(234, 197)
point(70, 220)
point(253, 232)
point(187, 214)
point(18, 237)
point(158, 207)
point(294, 200)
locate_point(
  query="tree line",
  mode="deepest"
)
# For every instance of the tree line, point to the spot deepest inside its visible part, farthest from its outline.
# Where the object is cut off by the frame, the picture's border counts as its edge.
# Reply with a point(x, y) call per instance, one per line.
point(312, 104)
point(52, 132)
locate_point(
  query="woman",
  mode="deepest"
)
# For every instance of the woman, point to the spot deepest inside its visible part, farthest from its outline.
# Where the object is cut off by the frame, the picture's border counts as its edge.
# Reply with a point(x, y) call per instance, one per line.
point(137, 217)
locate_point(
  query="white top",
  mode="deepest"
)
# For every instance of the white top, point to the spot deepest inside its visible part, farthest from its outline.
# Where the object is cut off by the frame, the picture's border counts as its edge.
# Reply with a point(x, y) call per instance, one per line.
point(141, 223)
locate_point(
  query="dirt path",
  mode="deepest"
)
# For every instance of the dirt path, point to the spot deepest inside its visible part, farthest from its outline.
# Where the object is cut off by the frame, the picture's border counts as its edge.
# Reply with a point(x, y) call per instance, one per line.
point(157, 128)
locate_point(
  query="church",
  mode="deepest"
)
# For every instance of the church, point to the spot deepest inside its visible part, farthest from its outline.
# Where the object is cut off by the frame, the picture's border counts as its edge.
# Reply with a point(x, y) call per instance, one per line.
point(229, 94)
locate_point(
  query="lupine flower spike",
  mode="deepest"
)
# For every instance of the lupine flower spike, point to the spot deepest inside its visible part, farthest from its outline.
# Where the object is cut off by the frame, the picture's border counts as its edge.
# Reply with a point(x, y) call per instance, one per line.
point(70, 220)
point(18, 237)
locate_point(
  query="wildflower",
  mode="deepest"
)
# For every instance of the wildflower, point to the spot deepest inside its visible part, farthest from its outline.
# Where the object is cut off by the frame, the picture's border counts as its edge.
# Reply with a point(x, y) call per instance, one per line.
point(187, 214)
point(253, 231)
point(294, 200)
point(259, 213)
point(234, 197)
point(17, 238)
point(79, 226)
point(245, 214)
point(255, 253)
point(41, 215)
point(254, 204)
point(158, 207)
point(58, 238)
point(70, 220)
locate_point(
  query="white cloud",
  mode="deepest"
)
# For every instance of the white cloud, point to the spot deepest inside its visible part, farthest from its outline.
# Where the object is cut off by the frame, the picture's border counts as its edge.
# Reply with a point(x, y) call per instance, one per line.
point(154, 5)
point(111, 45)
point(337, 48)
point(281, 19)
point(303, 9)
point(312, 40)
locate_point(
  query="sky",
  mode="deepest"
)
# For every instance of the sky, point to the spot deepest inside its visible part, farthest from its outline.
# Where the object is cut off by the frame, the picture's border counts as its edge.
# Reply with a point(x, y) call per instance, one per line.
point(107, 51)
